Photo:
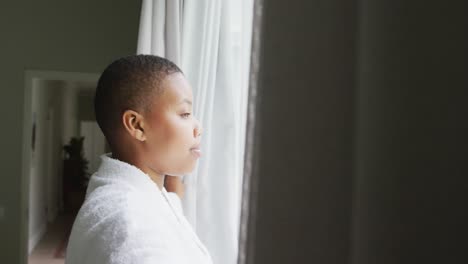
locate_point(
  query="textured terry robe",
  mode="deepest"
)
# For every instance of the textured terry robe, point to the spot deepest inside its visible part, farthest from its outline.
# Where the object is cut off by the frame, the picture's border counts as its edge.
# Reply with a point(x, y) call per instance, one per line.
point(127, 219)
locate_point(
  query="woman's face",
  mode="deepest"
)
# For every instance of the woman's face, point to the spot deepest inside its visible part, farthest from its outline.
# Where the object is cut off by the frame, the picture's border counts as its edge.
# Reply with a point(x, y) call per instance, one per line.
point(173, 133)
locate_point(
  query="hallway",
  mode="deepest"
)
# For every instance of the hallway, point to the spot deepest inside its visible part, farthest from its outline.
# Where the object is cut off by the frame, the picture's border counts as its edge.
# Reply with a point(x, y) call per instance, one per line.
point(51, 248)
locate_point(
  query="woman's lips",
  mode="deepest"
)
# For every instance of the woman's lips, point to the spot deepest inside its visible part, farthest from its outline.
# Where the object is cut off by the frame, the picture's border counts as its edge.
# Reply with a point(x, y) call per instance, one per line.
point(196, 151)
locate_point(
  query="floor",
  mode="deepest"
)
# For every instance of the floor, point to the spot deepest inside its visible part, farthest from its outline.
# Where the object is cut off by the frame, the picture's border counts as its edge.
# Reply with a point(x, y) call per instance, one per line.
point(51, 248)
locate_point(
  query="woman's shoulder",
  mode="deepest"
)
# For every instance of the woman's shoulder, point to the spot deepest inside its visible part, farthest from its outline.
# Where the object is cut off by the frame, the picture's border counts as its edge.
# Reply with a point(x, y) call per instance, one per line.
point(117, 197)
point(123, 209)
point(119, 221)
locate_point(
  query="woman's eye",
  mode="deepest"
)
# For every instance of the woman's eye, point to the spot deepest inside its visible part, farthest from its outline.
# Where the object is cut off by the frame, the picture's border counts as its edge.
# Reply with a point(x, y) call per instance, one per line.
point(185, 115)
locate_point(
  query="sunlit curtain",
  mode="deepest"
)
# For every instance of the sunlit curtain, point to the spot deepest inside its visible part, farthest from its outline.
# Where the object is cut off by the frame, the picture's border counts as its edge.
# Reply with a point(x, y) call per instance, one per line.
point(160, 29)
point(210, 40)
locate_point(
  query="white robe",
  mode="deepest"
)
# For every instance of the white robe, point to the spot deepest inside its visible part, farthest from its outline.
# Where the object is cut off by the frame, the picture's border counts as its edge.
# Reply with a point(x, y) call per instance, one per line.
point(127, 219)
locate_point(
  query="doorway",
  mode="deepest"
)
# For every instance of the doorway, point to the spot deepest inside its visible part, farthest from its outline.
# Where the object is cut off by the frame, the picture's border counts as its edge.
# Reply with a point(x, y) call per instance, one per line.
point(59, 111)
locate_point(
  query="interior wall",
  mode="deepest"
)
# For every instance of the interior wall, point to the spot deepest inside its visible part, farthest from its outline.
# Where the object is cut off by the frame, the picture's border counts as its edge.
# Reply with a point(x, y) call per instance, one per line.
point(79, 36)
point(59, 94)
point(86, 106)
point(70, 110)
point(38, 170)
point(94, 144)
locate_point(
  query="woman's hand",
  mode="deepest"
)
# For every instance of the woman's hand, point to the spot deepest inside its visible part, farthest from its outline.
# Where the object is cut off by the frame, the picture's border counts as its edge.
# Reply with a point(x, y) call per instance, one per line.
point(174, 184)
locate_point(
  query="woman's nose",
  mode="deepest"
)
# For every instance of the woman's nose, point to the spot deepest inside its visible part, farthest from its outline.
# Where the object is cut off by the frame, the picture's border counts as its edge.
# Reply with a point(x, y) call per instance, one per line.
point(198, 129)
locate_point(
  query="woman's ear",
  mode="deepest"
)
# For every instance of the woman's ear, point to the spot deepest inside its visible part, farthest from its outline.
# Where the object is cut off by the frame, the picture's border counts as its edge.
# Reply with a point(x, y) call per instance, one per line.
point(134, 124)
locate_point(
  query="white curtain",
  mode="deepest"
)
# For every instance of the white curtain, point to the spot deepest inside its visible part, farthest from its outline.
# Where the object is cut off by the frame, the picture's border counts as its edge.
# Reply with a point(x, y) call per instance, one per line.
point(210, 41)
point(160, 29)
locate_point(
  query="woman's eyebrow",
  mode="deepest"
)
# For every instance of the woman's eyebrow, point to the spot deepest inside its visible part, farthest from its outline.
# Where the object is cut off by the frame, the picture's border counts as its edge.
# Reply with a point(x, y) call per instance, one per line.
point(186, 101)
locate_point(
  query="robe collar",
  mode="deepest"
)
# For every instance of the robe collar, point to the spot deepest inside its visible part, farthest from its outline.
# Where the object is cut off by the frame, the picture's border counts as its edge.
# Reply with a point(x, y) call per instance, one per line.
point(114, 170)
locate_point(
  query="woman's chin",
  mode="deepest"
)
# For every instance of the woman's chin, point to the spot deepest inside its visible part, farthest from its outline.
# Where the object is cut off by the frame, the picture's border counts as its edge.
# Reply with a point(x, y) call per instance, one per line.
point(180, 173)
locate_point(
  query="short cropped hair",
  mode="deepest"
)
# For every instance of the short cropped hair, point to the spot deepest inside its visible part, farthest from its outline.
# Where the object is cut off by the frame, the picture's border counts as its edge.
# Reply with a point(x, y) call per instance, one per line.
point(129, 83)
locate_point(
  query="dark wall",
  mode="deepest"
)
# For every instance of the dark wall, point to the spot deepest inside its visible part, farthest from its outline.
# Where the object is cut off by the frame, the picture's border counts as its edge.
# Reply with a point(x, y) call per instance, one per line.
point(75, 36)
